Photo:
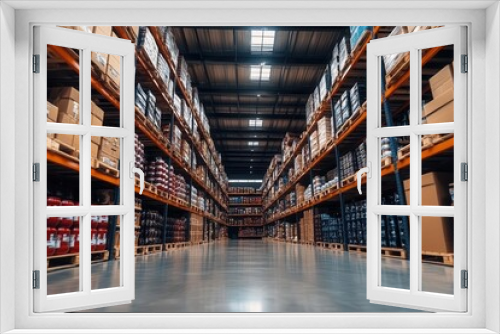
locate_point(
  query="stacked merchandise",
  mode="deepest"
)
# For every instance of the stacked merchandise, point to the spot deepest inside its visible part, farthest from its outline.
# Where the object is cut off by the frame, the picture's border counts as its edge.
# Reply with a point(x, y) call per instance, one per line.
point(196, 228)
point(163, 69)
point(310, 109)
point(249, 232)
point(318, 183)
point(141, 99)
point(245, 211)
point(344, 53)
point(391, 60)
point(331, 227)
point(245, 221)
point(145, 101)
point(360, 153)
point(186, 151)
point(359, 34)
point(345, 106)
point(63, 233)
point(314, 142)
point(157, 173)
point(293, 199)
point(357, 95)
point(182, 70)
point(242, 190)
point(306, 226)
point(151, 228)
point(337, 115)
point(440, 109)
point(222, 233)
point(392, 226)
point(169, 40)
point(308, 193)
point(194, 196)
point(385, 148)
point(332, 177)
point(298, 163)
point(245, 200)
point(355, 216)
point(334, 65)
point(109, 152)
point(179, 187)
point(146, 42)
point(325, 131)
point(324, 86)
point(300, 190)
point(176, 229)
point(348, 164)
point(140, 158)
point(201, 203)
point(289, 144)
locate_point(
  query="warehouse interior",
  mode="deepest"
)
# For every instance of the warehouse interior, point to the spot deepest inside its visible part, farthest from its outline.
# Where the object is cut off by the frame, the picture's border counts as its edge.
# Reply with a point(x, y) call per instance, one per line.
point(250, 139)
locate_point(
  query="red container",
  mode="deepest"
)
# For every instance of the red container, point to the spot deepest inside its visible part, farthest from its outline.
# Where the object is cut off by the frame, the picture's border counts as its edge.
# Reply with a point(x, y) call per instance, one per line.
point(53, 201)
point(51, 241)
point(102, 234)
point(67, 202)
point(93, 245)
point(94, 222)
point(53, 222)
point(66, 222)
point(62, 245)
point(74, 240)
point(103, 222)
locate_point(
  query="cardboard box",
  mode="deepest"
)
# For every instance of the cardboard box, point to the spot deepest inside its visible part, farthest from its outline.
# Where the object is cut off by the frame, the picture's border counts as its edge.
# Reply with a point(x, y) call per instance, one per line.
point(60, 93)
point(102, 30)
point(76, 142)
point(113, 69)
point(52, 112)
point(69, 110)
point(65, 139)
point(110, 147)
point(110, 161)
point(99, 60)
point(437, 232)
point(96, 121)
point(441, 81)
point(440, 109)
point(97, 112)
point(96, 140)
point(94, 150)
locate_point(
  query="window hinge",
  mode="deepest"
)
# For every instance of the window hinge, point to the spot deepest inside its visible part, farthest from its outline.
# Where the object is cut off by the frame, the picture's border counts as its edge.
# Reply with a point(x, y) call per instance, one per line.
point(36, 279)
point(464, 171)
point(36, 63)
point(465, 64)
point(465, 279)
point(36, 172)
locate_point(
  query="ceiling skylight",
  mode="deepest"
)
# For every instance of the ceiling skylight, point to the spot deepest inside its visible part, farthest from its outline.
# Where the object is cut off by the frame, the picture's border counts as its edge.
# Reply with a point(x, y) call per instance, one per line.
point(260, 72)
point(253, 143)
point(255, 122)
point(262, 41)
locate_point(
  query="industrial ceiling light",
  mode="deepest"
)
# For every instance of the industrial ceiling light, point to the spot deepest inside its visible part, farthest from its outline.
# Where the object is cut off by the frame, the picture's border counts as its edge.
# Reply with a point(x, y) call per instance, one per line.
point(253, 143)
point(255, 122)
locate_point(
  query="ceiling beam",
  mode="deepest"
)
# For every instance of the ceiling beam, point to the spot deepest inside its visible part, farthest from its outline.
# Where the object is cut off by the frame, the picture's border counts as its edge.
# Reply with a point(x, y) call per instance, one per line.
point(263, 91)
point(247, 58)
point(247, 132)
point(247, 116)
point(251, 104)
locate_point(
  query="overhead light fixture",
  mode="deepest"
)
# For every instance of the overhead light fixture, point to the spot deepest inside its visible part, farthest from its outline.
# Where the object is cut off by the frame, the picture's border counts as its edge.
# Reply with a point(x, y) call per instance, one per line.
point(253, 143)
point(251, 167)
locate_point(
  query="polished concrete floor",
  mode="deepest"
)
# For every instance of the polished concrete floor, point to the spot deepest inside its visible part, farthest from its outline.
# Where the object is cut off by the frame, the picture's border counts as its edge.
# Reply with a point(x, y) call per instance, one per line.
point(254, 276)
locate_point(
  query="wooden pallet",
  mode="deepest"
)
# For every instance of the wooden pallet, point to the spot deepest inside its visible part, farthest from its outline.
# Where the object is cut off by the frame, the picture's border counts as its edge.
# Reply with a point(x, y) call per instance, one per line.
point(73, 260)
point(436, 139)
point(360, 43)
point(348, 180)
point(398, 70)
point(438, 258)
point(404, 152)
point(386, 162)
point(357, 248)
point(394, 252)
point(63, 149)
point(334, 246)
point(147, 249)
point(105, 168)
point(150, 187)
point(349, 122)
point(175, 245)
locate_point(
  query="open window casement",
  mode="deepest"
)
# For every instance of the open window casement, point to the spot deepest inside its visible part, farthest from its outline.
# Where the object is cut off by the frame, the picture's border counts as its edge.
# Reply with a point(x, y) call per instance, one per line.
point(420, 48)
point(74, 128)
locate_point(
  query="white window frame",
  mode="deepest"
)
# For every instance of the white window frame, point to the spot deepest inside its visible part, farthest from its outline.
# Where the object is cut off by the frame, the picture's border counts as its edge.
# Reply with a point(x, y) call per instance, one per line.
point(484, 46)
point(415, 43)
point(85, 297)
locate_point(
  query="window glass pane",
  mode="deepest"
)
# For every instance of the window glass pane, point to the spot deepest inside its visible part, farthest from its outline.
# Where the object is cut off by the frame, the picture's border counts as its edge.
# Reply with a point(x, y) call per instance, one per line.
point(63, 166)
point(63, 245)
point(63, 85)
point(397, 90)
point(395, 268)
point(105, 238)
point(437, 85)
point(437, 170)
point(437, 254)
point(394, 148)
point(105, 152)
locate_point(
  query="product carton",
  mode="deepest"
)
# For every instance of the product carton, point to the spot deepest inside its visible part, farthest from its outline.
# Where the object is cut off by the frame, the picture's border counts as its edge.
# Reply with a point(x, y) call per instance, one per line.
point(97, 113)
point(102, 30)
point(440, 109)
point(52, 112)
point(113, 69)
point(437, 232)
point(441, 81)
point(99, 61)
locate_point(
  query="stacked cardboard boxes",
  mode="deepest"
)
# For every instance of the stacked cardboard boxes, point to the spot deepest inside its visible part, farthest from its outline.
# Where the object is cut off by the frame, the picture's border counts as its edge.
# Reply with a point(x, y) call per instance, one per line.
point(440, 109)
point(147, 43)
point(314, 142)
point(67, 100)
point(306, 226)
point(324, 131)
point(109, 152)
point(196, 228)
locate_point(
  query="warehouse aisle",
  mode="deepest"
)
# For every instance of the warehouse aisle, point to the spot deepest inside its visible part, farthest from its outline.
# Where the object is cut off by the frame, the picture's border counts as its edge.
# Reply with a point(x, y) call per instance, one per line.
point(254, 276)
